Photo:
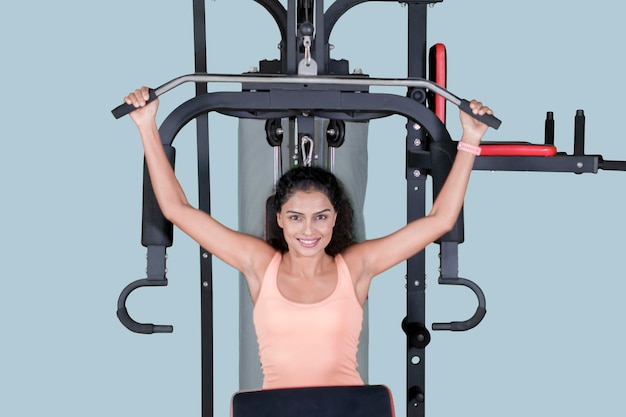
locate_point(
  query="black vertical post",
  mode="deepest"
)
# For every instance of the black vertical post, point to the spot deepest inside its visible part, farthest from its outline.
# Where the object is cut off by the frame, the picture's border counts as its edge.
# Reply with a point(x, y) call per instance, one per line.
point(292, 47)
point(417, 48)
point(321, 49)
point(416, 202)
point(579, 133)
point(415, 286)
point(204, 204)
point(549, 129)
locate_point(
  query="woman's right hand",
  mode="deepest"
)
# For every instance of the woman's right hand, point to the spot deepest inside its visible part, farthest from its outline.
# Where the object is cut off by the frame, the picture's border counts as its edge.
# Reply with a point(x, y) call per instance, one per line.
point(145, 113)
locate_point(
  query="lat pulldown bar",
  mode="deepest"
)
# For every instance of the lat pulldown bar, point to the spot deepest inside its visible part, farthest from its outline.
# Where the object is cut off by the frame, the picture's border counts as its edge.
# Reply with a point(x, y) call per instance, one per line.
point(305, 81)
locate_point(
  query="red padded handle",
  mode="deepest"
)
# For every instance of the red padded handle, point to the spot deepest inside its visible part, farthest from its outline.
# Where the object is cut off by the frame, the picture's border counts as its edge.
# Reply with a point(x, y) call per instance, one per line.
point(516, 149)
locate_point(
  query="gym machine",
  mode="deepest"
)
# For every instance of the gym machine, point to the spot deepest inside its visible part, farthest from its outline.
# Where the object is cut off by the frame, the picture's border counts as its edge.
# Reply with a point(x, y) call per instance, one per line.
point(304, 84)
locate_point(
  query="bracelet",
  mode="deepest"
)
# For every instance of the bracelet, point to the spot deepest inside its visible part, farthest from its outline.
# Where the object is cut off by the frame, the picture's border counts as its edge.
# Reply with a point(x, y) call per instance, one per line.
point(462, 146)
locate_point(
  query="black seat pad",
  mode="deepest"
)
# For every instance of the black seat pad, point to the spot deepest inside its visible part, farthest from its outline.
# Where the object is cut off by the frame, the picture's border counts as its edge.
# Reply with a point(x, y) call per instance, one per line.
point(343, 401)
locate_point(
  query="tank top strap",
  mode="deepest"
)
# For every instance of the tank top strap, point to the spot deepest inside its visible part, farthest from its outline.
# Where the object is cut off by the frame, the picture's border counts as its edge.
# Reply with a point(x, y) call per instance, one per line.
point(268, 285)
point(344, 278)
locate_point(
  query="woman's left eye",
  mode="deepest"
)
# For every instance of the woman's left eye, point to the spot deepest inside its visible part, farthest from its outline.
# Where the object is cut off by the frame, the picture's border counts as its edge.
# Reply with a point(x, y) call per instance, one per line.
point(322, 217)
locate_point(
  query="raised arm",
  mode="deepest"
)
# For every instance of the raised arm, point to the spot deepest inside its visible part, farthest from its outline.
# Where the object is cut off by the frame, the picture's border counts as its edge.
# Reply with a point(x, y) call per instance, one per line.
point(372, 257)
point(248, 254)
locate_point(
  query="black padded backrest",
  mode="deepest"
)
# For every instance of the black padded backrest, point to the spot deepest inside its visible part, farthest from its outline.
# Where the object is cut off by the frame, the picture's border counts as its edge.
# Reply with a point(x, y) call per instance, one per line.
point(343, 401)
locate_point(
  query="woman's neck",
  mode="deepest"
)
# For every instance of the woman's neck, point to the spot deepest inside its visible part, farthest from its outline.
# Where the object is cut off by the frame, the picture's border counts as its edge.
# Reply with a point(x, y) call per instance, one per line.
point(307, 266)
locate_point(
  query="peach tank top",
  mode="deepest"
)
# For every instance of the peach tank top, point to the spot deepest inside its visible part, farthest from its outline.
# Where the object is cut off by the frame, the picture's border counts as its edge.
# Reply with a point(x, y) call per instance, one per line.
point(307, 345)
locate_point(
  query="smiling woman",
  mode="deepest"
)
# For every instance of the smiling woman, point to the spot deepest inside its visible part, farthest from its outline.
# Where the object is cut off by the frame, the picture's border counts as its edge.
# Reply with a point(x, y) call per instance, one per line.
point(309, 281)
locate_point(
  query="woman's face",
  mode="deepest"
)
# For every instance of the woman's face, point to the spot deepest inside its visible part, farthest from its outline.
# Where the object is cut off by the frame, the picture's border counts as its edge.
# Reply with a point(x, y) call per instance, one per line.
point(307, 219)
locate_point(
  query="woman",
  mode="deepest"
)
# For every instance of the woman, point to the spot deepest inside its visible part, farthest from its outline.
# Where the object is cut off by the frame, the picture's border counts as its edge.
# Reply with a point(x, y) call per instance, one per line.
point(308, 286)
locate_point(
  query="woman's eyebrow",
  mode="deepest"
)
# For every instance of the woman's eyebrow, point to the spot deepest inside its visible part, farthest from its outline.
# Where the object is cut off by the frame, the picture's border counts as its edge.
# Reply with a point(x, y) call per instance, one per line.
point(297, 212)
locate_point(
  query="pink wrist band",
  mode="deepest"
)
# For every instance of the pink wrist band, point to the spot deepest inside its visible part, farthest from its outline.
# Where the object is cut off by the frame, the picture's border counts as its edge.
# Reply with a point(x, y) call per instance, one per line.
point(462, 146)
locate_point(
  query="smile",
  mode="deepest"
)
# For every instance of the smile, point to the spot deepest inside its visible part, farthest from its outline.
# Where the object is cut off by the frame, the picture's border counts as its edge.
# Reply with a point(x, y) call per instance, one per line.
point(308, 243)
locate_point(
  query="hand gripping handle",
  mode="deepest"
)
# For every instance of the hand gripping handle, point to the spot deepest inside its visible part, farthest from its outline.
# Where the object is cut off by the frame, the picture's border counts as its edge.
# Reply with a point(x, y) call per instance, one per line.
point(124, 109)
point(488, 119)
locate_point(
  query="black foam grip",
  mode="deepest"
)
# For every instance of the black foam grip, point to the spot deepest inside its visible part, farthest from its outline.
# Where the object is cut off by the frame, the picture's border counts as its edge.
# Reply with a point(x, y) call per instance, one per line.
point(124, 109)
point(143, 328)
point(442, 156)
point(461, 326)
point(156, 230)
point(488, 119)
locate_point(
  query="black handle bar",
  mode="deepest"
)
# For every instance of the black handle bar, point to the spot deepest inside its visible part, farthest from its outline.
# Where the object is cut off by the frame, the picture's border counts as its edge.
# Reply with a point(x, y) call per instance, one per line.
point(480, 310)
point(124, 109)
point(462, 104)
point(127, 321)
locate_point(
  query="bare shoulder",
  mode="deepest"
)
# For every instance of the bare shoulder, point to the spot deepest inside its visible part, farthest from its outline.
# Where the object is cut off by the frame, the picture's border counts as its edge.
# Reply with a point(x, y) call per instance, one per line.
point(367, 259)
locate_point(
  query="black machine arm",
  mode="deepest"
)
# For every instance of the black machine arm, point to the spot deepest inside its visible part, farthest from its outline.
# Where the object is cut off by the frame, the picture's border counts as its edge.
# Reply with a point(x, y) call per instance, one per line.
point(156, 235)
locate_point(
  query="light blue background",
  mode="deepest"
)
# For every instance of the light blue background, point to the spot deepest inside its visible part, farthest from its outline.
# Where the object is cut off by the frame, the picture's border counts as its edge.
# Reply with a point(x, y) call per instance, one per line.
point(547, 249)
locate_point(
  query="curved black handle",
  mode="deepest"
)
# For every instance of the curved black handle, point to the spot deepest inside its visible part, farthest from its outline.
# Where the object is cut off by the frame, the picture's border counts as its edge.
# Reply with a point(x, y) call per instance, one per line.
point(127, 321)
point(124, 109)
point(488, 119)
point(480, 310)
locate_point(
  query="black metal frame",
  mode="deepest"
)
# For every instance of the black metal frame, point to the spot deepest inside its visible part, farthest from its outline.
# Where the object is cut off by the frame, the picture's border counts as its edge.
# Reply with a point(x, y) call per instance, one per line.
point(429, 150)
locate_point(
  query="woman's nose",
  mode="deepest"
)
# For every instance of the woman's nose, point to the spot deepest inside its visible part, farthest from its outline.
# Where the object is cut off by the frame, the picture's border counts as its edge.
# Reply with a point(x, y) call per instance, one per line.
point(307, 227)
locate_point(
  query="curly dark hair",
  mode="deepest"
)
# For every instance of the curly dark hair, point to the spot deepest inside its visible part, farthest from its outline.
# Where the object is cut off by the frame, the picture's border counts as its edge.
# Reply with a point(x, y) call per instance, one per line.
point(309, 179)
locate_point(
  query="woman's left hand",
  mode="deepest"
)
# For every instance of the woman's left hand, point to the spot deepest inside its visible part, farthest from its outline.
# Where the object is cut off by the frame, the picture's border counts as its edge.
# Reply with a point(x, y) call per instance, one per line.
point(474, 129)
